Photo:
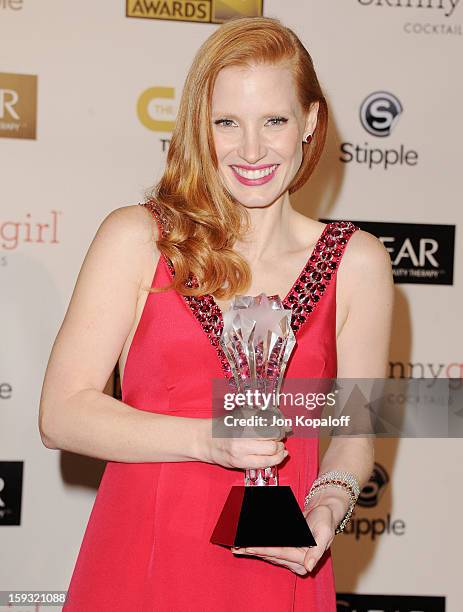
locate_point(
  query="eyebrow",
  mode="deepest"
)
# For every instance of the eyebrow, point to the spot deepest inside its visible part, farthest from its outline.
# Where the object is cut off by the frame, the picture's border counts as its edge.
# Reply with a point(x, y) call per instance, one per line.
point(269, 114)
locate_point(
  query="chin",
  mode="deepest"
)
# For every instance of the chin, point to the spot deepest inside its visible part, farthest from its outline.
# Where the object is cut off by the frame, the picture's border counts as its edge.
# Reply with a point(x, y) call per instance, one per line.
point(254, 200)
point(257, 201)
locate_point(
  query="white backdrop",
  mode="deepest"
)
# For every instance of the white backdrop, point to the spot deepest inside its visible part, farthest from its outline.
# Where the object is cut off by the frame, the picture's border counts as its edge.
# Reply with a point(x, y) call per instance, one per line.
point(93, 152)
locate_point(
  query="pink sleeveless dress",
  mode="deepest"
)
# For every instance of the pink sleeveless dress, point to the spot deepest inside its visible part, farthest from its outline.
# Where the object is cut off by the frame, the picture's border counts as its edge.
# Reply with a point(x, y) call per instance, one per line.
point(146, 547)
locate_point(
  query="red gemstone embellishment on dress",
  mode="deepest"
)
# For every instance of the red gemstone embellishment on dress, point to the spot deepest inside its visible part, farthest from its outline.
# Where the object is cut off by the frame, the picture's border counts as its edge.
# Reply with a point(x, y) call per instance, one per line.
point(302, 297)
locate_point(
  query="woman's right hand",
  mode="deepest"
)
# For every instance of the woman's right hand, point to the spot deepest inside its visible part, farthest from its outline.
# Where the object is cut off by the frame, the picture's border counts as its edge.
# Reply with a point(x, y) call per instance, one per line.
point(244, 452)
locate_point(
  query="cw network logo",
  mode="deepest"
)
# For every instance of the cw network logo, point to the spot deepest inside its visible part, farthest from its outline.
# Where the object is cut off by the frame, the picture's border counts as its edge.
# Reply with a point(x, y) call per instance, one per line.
point(157, 110)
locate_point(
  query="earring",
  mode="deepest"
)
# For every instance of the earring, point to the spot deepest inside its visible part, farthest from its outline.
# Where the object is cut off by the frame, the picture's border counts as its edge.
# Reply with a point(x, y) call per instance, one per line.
point(307, 138)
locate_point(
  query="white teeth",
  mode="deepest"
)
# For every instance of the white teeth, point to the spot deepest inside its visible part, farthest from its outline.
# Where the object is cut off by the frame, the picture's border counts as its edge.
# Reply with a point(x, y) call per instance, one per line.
point(254, 174)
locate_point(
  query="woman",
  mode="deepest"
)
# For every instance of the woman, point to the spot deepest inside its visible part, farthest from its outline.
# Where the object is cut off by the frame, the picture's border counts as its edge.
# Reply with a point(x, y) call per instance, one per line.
point(250, 130)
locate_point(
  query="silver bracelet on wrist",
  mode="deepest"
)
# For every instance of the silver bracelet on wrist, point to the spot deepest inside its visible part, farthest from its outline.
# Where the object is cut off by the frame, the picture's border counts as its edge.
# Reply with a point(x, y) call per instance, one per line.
point(343, 480)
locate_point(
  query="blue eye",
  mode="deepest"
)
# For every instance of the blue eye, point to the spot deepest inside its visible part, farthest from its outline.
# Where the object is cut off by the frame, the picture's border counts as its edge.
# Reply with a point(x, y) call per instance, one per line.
point(273, 121)
point(278, 120)
point(223, 122)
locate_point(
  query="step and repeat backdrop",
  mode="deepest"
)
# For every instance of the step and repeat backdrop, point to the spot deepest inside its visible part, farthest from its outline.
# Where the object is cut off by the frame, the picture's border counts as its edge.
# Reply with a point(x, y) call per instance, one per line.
point(88, 99)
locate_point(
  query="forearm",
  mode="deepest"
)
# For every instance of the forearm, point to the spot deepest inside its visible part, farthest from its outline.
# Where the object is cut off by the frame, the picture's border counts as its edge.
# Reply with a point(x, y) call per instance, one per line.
point(95, 424)
point(349, 454)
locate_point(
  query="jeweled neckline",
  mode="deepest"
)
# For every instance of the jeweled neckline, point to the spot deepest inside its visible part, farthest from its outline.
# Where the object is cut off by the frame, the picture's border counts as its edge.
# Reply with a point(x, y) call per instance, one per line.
point(298, 279)
point(304, 295)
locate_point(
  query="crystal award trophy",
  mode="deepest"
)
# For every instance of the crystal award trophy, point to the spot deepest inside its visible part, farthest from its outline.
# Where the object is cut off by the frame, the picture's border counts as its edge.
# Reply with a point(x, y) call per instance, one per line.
point(257, 340)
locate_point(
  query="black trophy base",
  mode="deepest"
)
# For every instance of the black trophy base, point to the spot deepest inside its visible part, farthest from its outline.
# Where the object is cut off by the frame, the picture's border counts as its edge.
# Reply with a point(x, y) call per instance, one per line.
point(262, 516)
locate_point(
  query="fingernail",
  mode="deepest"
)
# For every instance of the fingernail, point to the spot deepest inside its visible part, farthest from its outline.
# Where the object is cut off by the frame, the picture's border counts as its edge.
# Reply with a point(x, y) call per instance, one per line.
point(250, 550)
point(311, 565)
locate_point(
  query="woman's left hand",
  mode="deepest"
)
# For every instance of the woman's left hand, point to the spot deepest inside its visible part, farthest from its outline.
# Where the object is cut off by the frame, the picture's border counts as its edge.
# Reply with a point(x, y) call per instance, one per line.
point(300, 560)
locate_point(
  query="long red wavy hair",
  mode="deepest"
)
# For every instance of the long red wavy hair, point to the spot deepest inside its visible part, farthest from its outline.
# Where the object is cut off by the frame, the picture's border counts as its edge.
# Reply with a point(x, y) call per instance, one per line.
point(203, 218)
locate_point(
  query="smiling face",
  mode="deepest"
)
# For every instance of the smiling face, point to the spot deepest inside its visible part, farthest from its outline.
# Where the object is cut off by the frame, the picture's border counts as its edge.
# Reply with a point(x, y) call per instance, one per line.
point(258, 126)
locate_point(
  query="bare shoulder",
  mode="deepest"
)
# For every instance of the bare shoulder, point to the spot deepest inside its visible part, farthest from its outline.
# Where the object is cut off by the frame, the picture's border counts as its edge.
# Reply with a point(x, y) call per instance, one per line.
point(365, 300)
point(365, 283)
point(132, 222)
point(129, 234)
point(365, 274)
point(365, 254)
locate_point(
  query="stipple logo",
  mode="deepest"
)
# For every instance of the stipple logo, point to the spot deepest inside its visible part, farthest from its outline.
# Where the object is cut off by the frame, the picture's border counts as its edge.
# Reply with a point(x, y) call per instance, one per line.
point(18, 105)
point(374, 488)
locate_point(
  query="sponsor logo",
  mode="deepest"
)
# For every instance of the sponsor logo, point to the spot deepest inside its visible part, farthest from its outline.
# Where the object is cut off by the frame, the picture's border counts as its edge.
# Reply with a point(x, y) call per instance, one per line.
point(369, 497)
point(427, 8)
point(374, 488)
point(379, 114)
point(418, 369)
point(11, 480)
point(421, 253)
point(14, 233)
point(433, 28)
point(6, 391)
point(353, 602)
point(372, 528)
point(18, 105)
point(202, 11)
point(13, 5)
point(445, 7)
point(156, 110)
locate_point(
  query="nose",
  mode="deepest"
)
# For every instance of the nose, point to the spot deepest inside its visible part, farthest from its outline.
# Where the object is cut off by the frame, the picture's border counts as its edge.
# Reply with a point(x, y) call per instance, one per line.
point(251, 148)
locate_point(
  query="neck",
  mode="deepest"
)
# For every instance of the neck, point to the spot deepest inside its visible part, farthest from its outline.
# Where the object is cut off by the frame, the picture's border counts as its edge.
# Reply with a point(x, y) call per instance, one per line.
point(270, 230)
